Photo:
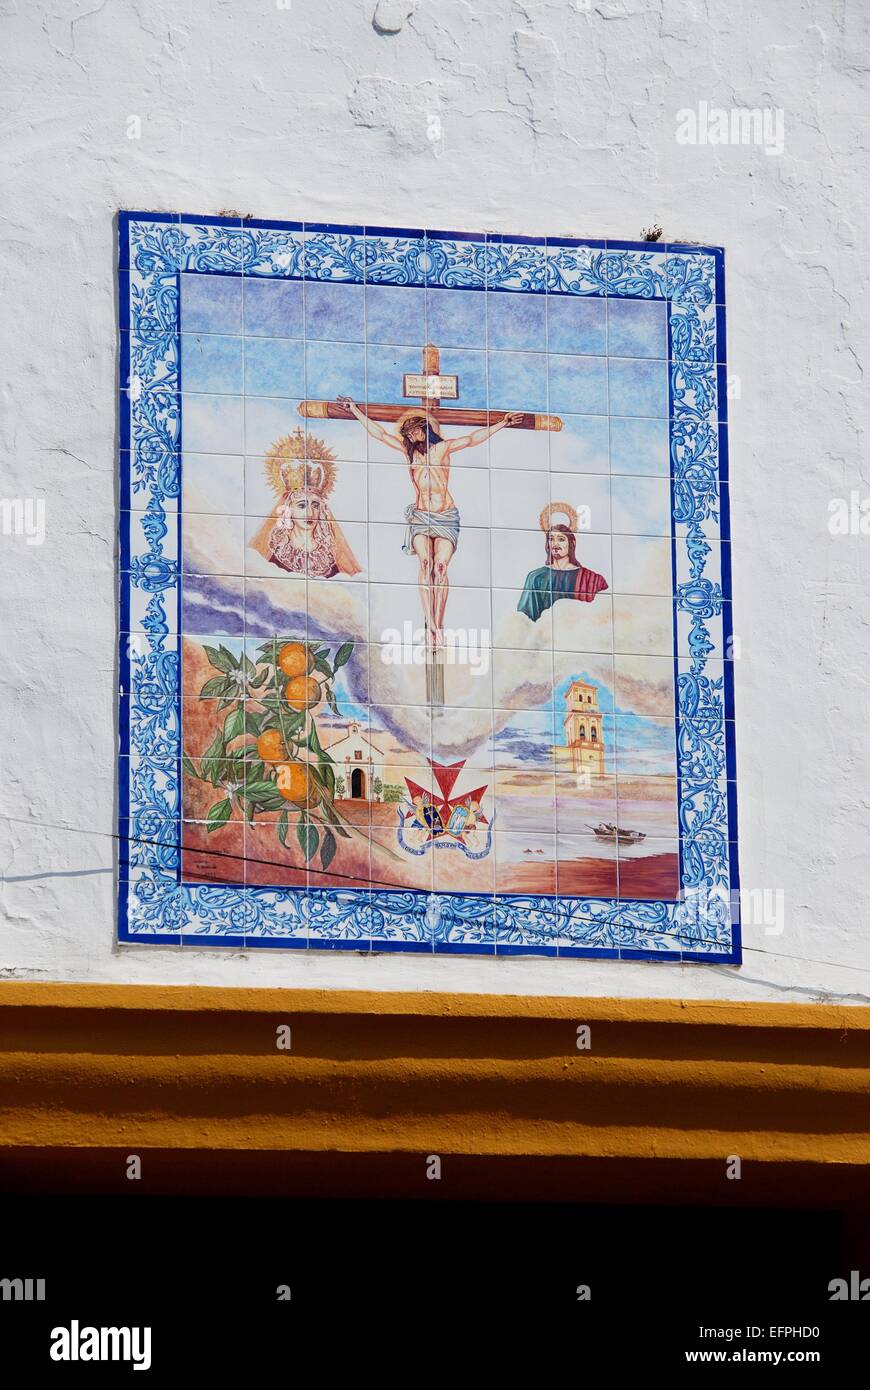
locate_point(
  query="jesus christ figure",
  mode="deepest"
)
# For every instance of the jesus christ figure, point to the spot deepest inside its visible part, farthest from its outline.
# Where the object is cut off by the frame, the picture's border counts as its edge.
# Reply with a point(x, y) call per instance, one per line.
point(433, 517)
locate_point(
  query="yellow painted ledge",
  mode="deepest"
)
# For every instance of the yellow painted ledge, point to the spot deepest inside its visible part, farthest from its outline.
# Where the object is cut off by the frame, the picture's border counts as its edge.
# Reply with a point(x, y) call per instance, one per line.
point(375, 1080)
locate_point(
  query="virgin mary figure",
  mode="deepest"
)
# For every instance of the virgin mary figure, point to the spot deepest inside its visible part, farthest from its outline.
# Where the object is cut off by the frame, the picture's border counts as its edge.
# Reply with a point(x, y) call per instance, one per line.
point(562, 576)
point(301, 536)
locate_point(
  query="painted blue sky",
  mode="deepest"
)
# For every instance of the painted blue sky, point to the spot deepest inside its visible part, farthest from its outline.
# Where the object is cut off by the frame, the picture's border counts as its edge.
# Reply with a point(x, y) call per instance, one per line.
point(559, 354)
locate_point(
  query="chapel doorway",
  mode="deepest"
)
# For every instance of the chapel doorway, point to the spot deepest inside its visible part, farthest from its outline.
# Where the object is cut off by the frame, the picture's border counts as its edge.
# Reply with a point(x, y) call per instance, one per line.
point(357, 784)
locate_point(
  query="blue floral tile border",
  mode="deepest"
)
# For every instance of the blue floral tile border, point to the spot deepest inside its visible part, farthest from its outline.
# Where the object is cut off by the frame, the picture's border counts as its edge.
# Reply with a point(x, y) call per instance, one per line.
point(155, 904)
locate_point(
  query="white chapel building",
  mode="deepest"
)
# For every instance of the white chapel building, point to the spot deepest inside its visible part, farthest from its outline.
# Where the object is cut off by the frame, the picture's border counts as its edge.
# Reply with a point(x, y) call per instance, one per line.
point(360, 762)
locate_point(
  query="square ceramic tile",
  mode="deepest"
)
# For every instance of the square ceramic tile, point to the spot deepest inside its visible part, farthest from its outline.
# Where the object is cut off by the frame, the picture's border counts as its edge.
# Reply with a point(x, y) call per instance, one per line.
point(643, 625)
point(210, 304)
point(334, 312)
point(576, 326)
point(335, 368)
point(641, 506)
point(637, 387)
point(637, 328)
point(525, 739)
point(644, 683)
point(520, 377)
point(581, 445)
point(577, 385)
point(212, 363)
point(213, 483)
point(396, 314)
point(213, 423)
point(272, 308)
point(518, 499)
point(269, 420)
point(424, 593)
point(274, 367)
point(516, 321)
point(642, 565)
point(640, 446)
point(213, 544)
point(456, 318)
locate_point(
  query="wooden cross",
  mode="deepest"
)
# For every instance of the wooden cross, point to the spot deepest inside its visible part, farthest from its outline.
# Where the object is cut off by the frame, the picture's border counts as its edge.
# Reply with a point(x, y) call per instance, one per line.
point(430, 386)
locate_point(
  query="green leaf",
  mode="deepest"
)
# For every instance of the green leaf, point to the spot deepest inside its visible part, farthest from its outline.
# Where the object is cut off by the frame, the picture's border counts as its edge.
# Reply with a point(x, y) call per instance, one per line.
point(260, 677)
point(218, 685)
point(188, 766)
point(325, 775)
point(221, 659)
point(212, 759)
point(343, 654)
point(247, 665)
point(308, 839)
point(334, 819)
point(228, 656)
point(271, 801)
point(327, 849)
point(219, 814)
point(315, 745)
point(322, 665)
point(259, 788)
point(283, 821)
point(234, 724)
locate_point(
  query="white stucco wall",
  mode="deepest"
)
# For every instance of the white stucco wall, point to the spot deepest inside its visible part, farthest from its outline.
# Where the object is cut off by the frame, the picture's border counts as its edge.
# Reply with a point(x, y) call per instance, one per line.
point(555, 118)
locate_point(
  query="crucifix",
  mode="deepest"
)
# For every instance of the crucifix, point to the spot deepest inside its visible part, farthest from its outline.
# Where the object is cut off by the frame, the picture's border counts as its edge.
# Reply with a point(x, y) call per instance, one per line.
point(432, 518)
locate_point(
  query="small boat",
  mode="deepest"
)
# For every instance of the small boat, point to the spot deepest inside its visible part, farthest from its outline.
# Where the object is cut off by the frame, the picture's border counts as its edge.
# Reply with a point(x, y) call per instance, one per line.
point(606, 831)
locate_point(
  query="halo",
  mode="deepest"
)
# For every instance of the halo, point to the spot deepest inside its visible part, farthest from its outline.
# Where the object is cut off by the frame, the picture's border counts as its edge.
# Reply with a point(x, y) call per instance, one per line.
point(546, 517)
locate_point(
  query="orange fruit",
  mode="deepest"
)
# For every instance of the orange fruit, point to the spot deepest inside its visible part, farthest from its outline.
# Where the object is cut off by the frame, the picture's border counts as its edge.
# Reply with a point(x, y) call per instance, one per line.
point(302, 692)
point(295, 659)
point(270, 746)
point(293, 782)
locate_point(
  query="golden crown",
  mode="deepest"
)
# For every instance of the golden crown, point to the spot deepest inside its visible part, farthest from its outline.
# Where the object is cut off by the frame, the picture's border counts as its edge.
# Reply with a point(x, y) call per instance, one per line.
point(300, 462)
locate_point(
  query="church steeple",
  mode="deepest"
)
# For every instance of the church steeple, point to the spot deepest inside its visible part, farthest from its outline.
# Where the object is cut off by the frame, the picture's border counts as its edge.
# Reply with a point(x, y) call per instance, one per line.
point(584, 728)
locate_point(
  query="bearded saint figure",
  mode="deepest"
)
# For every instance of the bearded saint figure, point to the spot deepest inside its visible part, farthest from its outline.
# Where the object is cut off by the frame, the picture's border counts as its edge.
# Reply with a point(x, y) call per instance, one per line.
point(562, 576)
point(301, 536)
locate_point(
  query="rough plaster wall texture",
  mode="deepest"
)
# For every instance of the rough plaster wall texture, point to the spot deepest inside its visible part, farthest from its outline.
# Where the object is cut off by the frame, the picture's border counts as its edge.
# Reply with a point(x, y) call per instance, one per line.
point(554, 118)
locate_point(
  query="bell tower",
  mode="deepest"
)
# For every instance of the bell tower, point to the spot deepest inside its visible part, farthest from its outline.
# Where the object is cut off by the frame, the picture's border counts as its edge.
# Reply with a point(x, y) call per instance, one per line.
point(584, 728)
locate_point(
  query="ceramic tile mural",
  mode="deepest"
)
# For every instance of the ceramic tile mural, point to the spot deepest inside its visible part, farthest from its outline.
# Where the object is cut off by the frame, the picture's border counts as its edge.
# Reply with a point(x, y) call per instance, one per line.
point(425, 592)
